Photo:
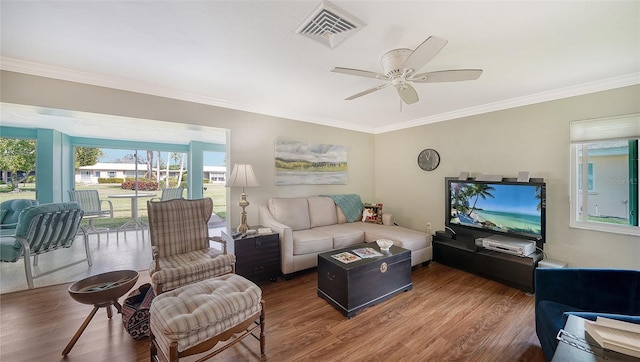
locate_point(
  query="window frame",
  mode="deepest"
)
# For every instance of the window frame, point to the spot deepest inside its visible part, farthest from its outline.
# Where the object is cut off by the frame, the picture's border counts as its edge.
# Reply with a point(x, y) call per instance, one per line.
point(598, 135)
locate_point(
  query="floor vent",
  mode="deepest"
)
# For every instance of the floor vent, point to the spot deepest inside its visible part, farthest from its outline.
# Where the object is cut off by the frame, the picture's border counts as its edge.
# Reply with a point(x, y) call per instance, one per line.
point(329, 25)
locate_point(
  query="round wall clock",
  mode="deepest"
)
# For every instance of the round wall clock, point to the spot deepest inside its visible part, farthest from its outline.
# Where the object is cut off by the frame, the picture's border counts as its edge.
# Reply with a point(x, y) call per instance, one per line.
point(428, 159)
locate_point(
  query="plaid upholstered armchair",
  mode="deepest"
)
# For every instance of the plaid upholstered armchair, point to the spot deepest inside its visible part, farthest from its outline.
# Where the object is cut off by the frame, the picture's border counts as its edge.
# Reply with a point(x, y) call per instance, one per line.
point(180, 244)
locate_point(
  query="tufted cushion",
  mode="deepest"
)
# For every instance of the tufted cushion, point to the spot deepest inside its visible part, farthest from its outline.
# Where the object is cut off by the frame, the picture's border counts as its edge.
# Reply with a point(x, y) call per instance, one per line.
point(293, 212)
point(322, 211)
point(196, 312)
point(10, 211)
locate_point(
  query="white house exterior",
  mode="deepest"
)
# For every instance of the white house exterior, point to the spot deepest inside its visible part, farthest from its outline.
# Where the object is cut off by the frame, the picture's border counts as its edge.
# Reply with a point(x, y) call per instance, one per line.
point(91, 174)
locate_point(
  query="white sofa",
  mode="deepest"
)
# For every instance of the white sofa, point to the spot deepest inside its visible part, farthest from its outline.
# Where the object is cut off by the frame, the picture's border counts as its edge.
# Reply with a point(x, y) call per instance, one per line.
point(312, 225)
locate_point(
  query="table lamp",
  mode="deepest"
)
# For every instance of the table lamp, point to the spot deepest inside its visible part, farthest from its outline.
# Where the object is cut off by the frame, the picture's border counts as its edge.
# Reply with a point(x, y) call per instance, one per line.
point(243, 176)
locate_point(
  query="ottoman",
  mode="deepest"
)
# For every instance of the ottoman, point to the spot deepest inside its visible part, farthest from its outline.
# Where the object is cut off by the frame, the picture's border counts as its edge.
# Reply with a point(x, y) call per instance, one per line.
point(192, 319)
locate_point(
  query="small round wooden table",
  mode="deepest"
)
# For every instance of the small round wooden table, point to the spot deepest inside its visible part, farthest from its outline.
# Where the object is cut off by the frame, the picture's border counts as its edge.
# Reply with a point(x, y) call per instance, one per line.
point(102, 290)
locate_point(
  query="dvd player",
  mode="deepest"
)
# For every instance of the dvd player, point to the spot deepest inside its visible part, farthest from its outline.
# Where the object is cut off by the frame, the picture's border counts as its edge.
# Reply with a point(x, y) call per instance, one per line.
point(508, 245)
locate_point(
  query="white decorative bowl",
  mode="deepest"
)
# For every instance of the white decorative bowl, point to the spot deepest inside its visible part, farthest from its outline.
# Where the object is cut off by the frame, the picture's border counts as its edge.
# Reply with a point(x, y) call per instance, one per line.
point(384, 244)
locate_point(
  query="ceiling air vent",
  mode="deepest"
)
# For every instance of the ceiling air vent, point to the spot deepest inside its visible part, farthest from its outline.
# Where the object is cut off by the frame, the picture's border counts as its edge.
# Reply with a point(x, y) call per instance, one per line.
point(329, 25)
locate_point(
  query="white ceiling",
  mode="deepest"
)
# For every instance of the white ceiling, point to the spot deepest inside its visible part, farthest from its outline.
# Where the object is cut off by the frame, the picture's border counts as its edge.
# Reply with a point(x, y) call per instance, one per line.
point(245, 55)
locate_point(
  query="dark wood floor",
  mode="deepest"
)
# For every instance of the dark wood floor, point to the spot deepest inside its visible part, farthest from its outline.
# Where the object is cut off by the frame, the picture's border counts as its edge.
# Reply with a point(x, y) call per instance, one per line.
point(449, 315)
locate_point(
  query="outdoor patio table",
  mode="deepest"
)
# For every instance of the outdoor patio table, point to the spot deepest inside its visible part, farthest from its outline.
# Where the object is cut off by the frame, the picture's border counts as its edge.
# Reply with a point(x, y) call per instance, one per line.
point(134, 220)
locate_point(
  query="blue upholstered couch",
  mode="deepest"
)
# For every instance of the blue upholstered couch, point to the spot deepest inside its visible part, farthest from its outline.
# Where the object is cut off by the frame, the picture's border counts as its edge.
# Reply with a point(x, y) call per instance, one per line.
point(587, 293)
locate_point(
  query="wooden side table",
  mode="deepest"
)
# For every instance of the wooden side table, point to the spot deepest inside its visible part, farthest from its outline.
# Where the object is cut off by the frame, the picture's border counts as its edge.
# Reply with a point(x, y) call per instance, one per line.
point(257, 255)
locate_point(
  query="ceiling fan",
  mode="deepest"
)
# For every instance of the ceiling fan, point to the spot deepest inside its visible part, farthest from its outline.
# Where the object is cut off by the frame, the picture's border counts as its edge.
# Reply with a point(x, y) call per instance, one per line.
point(400, 67)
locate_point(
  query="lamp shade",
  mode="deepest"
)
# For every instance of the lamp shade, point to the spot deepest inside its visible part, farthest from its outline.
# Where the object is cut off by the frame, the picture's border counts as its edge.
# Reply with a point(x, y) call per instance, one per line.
point(242, 176)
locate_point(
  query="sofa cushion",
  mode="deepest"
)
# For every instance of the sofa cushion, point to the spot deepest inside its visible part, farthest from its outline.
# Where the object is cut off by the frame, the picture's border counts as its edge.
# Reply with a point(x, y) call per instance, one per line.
point(311, 241)
point(293, 212)
point(10, 248)
point(343, 236)
point(349, 204)
point(341, 217)
point(402, 237)
point(322, 211)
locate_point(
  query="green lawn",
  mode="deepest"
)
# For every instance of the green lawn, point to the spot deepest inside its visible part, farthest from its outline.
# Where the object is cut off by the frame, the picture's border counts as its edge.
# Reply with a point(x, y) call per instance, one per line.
point(121, 207)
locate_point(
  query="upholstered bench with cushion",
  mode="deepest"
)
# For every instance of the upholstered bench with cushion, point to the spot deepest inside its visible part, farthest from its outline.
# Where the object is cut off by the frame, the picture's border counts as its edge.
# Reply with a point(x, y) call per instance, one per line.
point(192, 319)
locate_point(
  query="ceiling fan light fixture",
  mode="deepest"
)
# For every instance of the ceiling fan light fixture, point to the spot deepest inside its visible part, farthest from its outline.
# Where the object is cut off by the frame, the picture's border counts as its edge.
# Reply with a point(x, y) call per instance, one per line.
point(400, 65)
point(329, 25)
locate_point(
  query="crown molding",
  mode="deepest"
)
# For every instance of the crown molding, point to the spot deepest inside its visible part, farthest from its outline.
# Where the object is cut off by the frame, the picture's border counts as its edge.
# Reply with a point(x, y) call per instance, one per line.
point(21, 66)
point(65, 74)
point(572, 91)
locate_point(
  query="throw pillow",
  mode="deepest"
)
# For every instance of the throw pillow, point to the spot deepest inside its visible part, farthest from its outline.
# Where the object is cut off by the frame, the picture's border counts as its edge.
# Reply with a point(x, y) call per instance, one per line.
point(372, 213)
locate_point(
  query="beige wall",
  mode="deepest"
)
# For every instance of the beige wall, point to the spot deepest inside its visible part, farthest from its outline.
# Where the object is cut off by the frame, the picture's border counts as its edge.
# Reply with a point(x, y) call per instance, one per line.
point(252, 136)
point(532, 138)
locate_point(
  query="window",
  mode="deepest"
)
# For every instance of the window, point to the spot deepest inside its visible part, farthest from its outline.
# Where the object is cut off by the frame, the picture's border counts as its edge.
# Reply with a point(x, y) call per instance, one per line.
point(589, 175)
point(604, 161)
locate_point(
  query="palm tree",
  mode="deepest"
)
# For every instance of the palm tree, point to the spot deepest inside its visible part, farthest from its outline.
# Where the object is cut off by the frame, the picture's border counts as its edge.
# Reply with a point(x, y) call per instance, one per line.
point(479, 190)
point(460, 197)
point(539, 197)
point(149, 174)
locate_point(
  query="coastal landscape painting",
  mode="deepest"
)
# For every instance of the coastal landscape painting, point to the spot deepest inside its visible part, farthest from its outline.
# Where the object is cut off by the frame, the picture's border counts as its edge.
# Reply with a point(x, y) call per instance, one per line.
point(303, 163)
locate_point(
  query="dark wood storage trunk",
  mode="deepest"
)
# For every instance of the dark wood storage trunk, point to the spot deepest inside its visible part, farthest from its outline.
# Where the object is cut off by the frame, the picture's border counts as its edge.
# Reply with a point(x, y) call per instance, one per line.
point(354, 286)
point(258, 257)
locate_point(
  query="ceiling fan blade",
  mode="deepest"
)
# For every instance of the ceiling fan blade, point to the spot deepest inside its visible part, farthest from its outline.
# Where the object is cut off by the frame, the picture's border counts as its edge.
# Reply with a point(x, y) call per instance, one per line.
point(407, 93)
point(424, 53)
point(446, 76)
point(358, 72)
point(363, 93)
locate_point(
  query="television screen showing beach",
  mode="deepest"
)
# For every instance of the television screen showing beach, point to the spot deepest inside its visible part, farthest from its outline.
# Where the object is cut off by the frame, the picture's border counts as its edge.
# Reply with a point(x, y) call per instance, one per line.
point(497, 207)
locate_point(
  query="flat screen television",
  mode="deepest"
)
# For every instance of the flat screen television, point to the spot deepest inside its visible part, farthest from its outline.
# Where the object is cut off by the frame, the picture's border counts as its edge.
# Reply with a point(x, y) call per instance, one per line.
point(511, 208)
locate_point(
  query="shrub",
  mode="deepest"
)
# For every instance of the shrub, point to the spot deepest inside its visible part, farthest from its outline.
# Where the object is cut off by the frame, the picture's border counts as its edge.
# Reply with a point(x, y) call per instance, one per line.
point(173, 182)
point(144, 184)
point(110, 180)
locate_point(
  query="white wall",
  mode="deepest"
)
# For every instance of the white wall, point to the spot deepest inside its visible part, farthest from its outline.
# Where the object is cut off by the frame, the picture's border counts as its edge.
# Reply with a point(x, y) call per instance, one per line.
point(532, 138)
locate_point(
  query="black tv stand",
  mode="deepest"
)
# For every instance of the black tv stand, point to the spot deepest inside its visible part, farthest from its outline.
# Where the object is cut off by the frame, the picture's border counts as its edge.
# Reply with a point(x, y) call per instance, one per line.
point(463, 253)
